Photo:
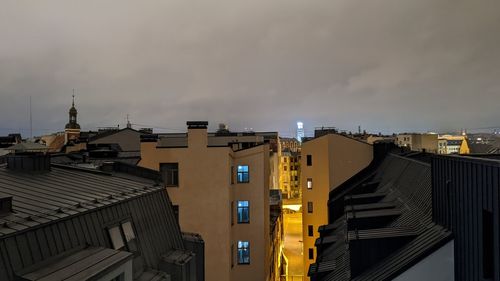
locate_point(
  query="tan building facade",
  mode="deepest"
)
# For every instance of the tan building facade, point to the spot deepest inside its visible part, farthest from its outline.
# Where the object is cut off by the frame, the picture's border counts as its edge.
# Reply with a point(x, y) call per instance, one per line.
point(450, 144)
point(418, 142)
point(220, 186)
point(290, 174)
point(327, 161)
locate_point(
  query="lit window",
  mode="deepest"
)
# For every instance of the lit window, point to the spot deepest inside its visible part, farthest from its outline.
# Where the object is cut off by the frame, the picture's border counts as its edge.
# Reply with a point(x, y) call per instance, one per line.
point(243, 252)
point(243, 212)
point(243, 174)
point(309, 183)
point(170, 173)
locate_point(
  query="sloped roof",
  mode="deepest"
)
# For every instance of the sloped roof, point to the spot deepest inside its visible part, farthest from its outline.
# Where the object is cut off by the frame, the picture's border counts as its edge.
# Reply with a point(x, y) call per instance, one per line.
point(401, 215)
point(64, 191)
point(27, 147)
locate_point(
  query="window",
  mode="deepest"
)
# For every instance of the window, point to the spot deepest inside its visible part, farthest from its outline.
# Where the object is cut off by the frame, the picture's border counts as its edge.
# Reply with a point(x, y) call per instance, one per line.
point(232, 212)
point(309, 160)
point(243, 212)
point(123, 236)
point(488, 245)
point(311, 253)
point(116, 238)
point(310, 207)
point(310, 231)
point(284, 168)
point(129, 236)
point(170, 173)
point(309, 183)
point(243, 174)
point(243, 252)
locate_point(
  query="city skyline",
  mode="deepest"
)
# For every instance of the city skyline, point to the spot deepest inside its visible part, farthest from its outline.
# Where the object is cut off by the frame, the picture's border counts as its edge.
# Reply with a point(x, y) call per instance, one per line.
point(387, 66)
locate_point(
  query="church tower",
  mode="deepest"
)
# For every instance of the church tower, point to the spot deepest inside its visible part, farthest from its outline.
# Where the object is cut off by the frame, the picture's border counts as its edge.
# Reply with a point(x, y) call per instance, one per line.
point(72, 129)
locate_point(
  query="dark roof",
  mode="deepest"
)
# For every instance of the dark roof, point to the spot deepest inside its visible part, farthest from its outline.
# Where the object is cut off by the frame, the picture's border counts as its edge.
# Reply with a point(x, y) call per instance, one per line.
point(85, 264)
point(381, 223)
point(64, 191)
point(108, 133)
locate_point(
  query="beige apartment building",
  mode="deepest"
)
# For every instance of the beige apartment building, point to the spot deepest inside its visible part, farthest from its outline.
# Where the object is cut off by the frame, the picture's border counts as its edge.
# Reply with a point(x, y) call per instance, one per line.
point(327, 161)
point(220, 185)
point(418, 142)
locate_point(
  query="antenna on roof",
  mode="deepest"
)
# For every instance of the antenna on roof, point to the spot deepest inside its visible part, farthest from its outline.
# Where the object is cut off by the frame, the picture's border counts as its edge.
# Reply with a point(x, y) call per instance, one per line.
point(31, 122)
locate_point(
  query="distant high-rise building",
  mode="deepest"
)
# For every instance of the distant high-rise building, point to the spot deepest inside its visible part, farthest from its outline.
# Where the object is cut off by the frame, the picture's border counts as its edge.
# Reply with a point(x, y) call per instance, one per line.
point(300, 131)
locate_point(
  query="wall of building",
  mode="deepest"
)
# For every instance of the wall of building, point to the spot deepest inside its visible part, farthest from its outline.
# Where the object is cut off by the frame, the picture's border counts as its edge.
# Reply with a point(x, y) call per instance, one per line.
point(204, 198)
point(466, 200)
point(128, 139)
point(335, 158)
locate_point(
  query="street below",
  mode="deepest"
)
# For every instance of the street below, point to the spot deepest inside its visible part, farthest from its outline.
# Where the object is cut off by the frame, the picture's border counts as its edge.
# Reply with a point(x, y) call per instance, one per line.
point(293, 243)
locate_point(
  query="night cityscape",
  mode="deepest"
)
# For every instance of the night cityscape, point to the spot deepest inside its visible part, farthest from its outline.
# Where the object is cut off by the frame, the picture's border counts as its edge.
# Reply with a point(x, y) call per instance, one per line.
point(250, 141)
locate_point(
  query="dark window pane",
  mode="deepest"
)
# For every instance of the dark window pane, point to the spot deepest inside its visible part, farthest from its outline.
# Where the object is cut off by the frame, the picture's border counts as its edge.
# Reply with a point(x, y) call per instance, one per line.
point(310, 230)
point(310, 207)
point(309, 160)
point(311, 253)
point(170, 173)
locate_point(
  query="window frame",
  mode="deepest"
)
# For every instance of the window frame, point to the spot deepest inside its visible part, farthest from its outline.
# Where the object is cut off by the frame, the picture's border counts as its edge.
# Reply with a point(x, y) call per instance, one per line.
point(130, 244)
point(240, 252)
point(174, 173)
point(242, 173)
point(242, 208)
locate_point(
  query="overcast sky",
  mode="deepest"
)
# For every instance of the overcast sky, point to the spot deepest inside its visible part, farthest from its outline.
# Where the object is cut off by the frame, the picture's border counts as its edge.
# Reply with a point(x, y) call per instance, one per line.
point(392, 65)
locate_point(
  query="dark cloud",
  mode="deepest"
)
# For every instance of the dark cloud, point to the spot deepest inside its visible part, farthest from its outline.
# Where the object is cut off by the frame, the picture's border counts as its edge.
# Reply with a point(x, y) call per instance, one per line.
point(386, 65)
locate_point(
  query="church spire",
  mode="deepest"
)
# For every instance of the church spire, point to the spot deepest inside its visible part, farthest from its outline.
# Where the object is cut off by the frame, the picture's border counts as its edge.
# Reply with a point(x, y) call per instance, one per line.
point(72, 115)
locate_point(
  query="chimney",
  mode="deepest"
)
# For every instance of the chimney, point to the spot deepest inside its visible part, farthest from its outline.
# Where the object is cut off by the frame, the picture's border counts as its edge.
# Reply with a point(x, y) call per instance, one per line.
point(197, 134)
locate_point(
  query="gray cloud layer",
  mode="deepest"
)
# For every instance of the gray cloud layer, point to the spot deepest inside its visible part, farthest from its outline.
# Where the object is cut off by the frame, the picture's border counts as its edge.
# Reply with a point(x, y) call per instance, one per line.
point(387, 65)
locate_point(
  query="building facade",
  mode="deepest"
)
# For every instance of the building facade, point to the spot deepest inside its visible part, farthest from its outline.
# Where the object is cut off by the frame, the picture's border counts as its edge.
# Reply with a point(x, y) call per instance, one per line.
point(327, 161)
point(418, 142)
point(220, 186)
point(290, 174)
